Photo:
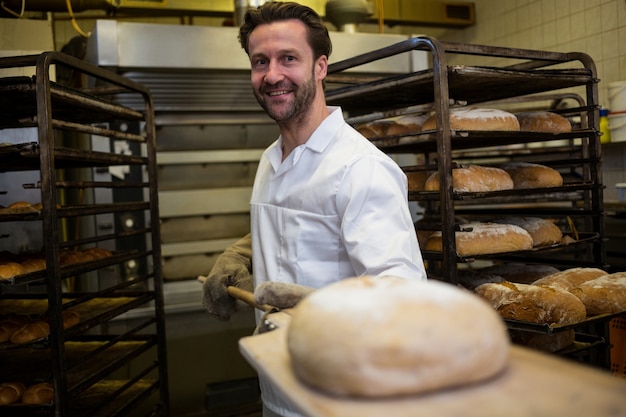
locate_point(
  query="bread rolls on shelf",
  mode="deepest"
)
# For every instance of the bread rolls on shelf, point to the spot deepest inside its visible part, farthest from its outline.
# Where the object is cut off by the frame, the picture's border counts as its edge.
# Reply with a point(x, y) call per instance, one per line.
point(533, 303)
point(389, 336)
point(544, 232)
point(30, 333)
point(543, 121)
point(480, 119)
point(483, 238)
point(530, 175)
point(473, 178)
point(603, 295)
point(11, 392)
point(9, 324)
point(38, 394)
point(570, 278)
point(10, 270)
point(31, 265)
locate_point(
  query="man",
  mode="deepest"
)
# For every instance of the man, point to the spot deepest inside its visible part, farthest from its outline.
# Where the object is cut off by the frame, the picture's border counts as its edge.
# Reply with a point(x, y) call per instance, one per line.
point(326, 204)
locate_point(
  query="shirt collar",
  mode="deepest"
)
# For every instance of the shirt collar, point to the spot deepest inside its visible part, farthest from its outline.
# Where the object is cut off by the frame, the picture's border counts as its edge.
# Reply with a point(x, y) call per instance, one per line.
point(317, 142)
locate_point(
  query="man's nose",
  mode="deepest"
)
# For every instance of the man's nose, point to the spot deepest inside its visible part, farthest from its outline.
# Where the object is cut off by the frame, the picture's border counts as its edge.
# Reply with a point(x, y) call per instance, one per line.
point(274, 73)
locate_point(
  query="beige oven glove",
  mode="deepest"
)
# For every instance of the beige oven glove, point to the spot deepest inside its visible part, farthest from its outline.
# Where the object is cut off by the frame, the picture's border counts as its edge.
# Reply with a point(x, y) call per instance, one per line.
point(232, 268)
point(280, 294)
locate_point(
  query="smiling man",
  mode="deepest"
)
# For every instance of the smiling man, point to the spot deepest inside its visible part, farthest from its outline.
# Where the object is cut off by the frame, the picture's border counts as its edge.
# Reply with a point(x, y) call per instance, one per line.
point(326, 203)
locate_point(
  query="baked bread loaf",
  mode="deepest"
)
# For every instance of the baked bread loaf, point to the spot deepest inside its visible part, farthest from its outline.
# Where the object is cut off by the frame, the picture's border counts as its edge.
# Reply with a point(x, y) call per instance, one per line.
point(543, 121)
point(42, 393)
point(482, 238)
point(33, 265)
point(570, 278)
point(30, 332)
point(417, 179)
point(533, 303)
point(388, 336)
point(9, 324)
point(406, 125)
point(473, 178)
point(473, 118)
point(11, 392)
point(543, 232)
point(603, 295)
point(529, 175)
point(521, 273)
point(70, 318)
point(375, 128)
point(10, 270)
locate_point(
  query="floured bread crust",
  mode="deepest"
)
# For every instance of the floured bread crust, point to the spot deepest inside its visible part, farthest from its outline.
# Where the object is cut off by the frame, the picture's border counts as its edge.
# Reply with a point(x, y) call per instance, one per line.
point(473, 118)
point(387, 336)
point(473, 178)
point(544, 232)
point(533, 303)
point(603, 295)
point(570, 278)
point(543, 121)
point(484, 238)
point(529, 175)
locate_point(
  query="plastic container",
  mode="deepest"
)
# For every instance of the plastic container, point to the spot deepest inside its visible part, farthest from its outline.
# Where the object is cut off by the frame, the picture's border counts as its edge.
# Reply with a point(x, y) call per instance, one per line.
point(617, 125)
point(604, 126)
point(617, 96)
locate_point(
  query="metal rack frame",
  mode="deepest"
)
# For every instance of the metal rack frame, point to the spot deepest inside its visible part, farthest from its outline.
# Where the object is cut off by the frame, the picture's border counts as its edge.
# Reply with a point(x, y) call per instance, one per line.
point(47, 106)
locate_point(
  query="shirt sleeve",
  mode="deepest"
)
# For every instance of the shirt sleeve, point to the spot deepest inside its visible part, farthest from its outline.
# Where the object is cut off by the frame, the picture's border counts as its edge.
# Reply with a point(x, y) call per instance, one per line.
point(376, 227)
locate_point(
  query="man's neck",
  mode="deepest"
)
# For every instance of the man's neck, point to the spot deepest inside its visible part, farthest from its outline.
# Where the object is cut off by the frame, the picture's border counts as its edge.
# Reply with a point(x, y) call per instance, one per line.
point(296, 132)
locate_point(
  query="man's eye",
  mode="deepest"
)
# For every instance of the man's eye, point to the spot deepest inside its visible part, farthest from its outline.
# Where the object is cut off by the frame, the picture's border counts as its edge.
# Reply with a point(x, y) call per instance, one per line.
point(290, 58)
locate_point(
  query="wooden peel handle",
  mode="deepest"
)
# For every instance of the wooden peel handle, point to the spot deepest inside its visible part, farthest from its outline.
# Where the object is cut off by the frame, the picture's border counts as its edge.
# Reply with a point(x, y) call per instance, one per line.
point(248, 298)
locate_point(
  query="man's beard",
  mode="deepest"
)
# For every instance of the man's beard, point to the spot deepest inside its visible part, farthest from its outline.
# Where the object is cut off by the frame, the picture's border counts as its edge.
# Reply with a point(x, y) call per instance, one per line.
point(303, 96)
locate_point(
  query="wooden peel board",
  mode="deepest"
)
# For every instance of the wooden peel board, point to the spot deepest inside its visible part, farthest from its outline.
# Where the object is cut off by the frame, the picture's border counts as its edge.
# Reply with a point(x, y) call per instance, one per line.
point(534, 384)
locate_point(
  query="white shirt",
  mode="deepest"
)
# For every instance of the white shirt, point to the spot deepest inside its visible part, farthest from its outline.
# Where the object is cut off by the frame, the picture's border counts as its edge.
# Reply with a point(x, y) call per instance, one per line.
point(335, 208)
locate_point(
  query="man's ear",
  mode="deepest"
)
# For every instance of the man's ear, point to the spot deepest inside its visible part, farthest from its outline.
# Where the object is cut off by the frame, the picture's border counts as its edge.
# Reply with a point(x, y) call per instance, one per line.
point(321, 67)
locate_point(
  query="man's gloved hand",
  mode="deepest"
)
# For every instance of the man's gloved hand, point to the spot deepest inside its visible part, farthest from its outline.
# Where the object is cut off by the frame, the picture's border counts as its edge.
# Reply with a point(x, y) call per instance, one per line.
point(280, 294)
point(232, 268)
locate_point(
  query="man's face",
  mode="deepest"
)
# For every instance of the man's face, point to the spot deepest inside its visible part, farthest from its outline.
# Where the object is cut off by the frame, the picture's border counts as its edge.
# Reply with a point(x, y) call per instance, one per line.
point(284, 76)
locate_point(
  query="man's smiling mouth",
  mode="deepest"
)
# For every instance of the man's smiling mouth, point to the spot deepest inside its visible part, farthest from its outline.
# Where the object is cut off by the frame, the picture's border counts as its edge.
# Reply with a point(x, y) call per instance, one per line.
point(277, 93)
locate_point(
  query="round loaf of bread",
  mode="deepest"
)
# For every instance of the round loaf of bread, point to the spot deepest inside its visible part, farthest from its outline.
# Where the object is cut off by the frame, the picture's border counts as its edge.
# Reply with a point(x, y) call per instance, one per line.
point(483, 238)
point(570, 278)
point(529, 175)
point(543, 232)
point(473, 118)
point(473, 178)
point(11, 270)
point(533, 303)
point(387, 336)
point(42, 393)
point(11, 392)
point(603, 295)
point(543, 121)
